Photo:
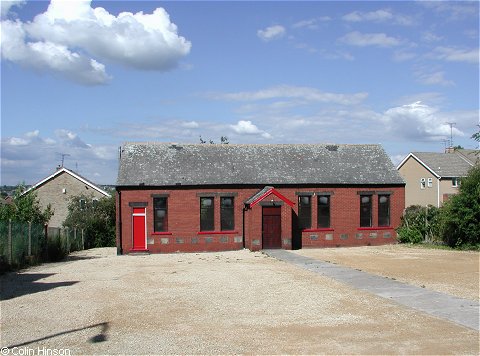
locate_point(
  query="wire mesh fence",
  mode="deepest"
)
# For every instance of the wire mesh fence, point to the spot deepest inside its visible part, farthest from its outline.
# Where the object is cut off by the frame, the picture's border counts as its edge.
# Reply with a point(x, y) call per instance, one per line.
point(23, 244)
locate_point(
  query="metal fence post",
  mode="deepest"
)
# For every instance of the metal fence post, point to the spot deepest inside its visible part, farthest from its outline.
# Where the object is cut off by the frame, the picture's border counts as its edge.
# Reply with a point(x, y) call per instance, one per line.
point(29, 238)
point(68, 240)
point(75, 236)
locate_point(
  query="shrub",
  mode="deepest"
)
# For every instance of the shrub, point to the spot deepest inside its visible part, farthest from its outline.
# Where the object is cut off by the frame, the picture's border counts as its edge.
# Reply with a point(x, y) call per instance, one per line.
point(459, 220)
point(419, 224)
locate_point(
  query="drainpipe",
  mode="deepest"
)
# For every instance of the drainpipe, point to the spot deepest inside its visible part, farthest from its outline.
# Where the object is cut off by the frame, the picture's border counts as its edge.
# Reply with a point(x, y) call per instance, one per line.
point(119, 217)
point(243, 226)
point(438, 192)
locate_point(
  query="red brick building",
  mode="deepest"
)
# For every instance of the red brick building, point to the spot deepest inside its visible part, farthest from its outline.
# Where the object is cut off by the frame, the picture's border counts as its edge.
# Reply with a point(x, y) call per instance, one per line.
point(203, 197)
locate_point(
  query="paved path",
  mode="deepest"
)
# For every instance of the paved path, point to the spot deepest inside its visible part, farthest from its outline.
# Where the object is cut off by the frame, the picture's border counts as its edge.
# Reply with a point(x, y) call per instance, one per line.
point(461, 311)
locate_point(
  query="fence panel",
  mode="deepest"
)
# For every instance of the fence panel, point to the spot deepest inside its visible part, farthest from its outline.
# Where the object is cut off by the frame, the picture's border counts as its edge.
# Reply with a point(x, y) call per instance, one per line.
point(24, 243)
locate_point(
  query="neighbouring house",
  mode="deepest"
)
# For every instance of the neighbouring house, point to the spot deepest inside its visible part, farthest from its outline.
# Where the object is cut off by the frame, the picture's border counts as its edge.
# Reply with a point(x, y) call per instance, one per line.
point(57, 190)
point(431, 177)
point(213, 197)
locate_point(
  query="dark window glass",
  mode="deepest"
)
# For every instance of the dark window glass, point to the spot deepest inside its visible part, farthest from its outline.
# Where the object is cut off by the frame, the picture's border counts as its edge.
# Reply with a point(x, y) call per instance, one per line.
point(383, 210)
point(206, 214)
point(365, 211)
point(226, 214)
point(323, 211)
point(160, 214)
point(304, 212)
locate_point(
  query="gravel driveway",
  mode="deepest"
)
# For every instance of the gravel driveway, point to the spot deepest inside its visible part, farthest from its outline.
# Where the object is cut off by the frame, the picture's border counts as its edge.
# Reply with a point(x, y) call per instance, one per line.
point(237, 302)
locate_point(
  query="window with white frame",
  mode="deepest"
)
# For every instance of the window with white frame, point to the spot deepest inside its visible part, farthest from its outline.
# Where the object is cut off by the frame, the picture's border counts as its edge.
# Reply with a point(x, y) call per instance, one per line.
point(430, 182)
point(455, 182)
point(422, 183)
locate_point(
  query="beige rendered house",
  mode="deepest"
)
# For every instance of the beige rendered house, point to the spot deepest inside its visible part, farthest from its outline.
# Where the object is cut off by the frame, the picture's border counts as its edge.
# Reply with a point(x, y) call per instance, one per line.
point(58, 188)
point(432, 177)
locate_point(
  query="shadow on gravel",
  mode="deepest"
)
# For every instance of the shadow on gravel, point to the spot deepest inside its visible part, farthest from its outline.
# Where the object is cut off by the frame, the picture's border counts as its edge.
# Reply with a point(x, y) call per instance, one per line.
point(101, 336)
point(15, 284)
point(80, 258)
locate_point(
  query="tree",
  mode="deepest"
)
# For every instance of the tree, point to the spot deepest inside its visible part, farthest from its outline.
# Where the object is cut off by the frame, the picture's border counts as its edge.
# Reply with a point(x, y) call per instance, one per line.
point(460, 216)
point(25, 208)
point(223, 140)
point(95, 216)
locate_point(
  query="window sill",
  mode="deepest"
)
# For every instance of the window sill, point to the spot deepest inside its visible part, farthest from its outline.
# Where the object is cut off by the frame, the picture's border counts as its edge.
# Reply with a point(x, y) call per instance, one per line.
point(217, 232)
point(318, 229)
point(162, 233)
point(376, 228)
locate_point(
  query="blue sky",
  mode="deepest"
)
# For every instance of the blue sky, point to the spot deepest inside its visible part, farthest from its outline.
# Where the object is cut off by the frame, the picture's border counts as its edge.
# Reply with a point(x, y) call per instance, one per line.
point(81, 78)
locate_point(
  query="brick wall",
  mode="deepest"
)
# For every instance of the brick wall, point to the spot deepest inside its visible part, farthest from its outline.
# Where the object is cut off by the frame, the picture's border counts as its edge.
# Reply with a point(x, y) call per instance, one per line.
point(184, 219)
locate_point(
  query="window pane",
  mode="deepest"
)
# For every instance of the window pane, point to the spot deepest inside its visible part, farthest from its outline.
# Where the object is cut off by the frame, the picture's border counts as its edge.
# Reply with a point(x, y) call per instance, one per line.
point(365, 211)
point(160, 214)
point(383, 210)
point(304, 212)
point(227, 214)
point(323, 212)
point(206, 214)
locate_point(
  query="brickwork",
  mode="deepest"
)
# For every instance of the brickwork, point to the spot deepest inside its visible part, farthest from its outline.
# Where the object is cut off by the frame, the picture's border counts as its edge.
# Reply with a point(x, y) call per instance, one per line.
point(184, 233)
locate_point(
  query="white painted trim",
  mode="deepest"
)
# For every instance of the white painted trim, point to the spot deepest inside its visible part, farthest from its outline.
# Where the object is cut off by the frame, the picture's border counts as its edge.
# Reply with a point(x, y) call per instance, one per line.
point(65, 170)
point(419, 161)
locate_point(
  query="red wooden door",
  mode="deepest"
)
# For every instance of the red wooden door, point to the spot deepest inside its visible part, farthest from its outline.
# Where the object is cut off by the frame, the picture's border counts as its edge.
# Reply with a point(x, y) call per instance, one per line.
point(139, 229)
point(271, 227)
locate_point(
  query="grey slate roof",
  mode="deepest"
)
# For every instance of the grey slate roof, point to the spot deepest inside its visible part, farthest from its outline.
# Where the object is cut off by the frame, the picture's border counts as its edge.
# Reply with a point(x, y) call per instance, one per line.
point(445, 164)
point(164, 164)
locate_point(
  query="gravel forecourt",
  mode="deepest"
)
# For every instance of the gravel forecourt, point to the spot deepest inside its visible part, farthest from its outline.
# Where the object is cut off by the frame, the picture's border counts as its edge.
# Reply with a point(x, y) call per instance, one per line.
point(236, 302)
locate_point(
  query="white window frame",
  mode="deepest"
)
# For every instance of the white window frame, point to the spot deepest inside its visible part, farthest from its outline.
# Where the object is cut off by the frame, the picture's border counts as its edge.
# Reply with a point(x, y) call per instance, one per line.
point(429, 182)
point(422, 183)
point(455, 182)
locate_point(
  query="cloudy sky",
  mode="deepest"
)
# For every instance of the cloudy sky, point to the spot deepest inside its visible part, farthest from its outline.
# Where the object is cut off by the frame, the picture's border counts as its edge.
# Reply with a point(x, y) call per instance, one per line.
point(82, 77)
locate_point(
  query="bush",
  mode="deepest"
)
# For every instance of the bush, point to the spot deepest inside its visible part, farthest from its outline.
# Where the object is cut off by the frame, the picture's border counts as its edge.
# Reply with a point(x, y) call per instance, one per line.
point(419, 224)
point(459, 220)
point(95, 217)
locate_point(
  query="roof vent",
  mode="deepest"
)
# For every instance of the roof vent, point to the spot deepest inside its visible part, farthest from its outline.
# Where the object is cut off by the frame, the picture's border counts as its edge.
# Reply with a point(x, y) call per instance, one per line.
point(332, 148)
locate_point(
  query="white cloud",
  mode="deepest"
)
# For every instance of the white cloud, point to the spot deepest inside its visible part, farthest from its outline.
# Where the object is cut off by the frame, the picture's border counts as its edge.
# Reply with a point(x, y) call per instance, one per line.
point(418, 121)
point(356, 38)
point(5, 6)
point(271, 33)
point(190, 124)
point(294, 92)
point(32, 157)
point(381, 15)
point(452, 10)
point(311, 24)
point(70, 36)
point(358, 16)
point(451, 54)
point(243, 127)
point(434, 78)
point(70, 138)
point(431, 37)
point(403, 55)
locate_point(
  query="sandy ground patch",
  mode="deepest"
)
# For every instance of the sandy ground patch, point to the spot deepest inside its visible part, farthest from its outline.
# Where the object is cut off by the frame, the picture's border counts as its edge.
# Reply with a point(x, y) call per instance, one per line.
point(452, 272)
point(236, 302)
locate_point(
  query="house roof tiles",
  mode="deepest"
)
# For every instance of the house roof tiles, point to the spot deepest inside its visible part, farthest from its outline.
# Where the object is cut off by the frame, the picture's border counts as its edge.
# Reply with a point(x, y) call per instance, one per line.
point(445, 164)
point(168, 164)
